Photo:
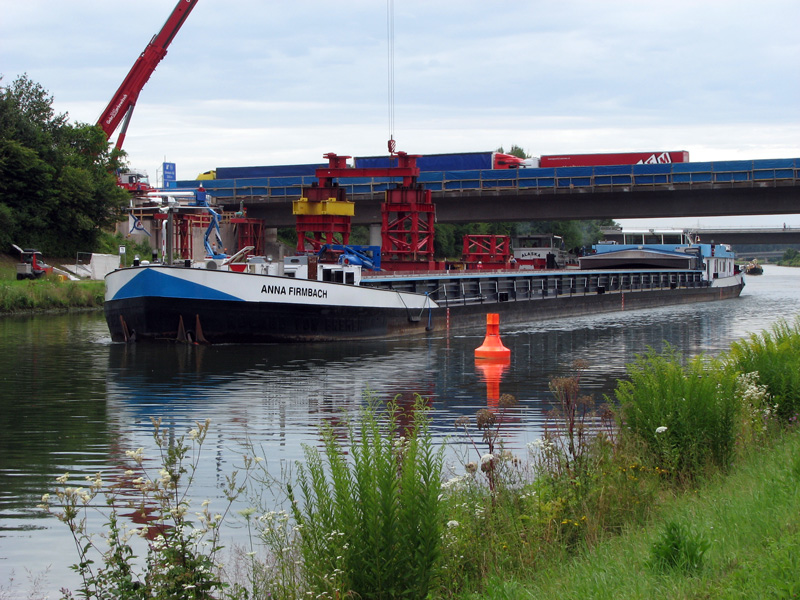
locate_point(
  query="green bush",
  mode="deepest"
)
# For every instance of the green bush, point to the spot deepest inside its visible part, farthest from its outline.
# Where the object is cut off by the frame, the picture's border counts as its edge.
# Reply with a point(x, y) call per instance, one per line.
point(775, 356)
point(686, 416)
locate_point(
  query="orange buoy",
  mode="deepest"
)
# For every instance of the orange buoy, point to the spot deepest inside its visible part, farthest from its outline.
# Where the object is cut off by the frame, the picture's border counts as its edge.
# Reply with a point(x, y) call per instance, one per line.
point(492, 346)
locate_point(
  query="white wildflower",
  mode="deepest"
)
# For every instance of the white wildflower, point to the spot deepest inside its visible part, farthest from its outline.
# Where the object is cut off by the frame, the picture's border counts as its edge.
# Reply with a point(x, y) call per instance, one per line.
point(661, 429)
point(451, 524)
point(247, 512)
point(135, 455)
point(539, 445)
point(455, 482)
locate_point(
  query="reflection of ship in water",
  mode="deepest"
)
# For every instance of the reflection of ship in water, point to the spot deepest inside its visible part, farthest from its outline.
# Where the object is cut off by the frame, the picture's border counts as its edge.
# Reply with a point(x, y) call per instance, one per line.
point(276, 390)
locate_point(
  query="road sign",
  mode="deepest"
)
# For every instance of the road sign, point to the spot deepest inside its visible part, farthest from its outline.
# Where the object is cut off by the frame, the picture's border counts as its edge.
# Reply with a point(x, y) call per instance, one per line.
point(169, 171)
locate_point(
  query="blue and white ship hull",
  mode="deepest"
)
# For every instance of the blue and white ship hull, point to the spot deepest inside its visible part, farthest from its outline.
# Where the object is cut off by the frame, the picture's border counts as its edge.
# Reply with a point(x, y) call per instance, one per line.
point(158, 302)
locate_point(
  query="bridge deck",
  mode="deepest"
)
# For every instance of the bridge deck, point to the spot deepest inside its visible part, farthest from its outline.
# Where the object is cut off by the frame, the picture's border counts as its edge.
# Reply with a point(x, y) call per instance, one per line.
point(563, 180)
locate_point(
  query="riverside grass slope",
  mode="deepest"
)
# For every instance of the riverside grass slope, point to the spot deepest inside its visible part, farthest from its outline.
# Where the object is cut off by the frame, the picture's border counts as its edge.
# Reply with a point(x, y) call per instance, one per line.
point(750, 519)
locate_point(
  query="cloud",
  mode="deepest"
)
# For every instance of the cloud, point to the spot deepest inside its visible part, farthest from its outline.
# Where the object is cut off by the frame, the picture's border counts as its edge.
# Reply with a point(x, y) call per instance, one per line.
point(254, 82)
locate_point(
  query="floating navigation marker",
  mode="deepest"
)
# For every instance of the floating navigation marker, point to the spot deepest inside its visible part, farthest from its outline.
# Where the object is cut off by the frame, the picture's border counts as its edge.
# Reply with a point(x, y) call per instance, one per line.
point(492, 346)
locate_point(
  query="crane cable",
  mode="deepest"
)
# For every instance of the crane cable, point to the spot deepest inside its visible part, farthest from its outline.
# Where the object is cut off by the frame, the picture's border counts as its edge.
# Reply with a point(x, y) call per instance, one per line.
point(390, 37)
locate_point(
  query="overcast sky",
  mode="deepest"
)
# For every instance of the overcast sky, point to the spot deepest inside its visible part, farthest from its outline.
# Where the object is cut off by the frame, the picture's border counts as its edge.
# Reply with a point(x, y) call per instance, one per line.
point(260, 82)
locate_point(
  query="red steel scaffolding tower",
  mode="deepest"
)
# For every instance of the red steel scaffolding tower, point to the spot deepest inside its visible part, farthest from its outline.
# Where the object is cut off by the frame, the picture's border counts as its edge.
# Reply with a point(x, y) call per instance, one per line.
point(408, 213)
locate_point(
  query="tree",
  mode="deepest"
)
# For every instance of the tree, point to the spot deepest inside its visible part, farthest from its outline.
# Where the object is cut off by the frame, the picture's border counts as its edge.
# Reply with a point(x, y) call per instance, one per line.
point(515, 151)
point(57, 180)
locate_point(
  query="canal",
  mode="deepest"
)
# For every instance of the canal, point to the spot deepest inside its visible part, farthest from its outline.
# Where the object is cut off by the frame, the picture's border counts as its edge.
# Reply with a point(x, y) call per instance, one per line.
point(71, 401)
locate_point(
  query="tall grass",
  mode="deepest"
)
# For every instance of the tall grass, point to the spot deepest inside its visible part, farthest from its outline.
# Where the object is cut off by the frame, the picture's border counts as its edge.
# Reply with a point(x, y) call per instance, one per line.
point(49, 294)
point(742, 531)
point(685, 415)
point(366, 510)
point(775, 356)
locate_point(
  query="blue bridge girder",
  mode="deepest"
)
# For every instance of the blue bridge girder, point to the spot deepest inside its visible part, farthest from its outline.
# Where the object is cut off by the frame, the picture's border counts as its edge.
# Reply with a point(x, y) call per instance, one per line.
point(702, 189)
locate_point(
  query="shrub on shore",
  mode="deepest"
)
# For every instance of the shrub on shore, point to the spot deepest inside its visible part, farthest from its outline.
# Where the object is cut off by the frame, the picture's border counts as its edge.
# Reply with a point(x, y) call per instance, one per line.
point(685, 416)
point(775, 357)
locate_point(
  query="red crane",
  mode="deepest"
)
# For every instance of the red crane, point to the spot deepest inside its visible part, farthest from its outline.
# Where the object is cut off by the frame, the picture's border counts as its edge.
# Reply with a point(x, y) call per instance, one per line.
point(120, 109)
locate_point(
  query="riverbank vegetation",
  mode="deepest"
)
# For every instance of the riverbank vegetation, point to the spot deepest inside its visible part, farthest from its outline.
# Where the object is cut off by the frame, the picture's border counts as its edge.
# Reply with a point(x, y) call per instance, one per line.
point(686, 484)
point(49, 293)
point(790, 258)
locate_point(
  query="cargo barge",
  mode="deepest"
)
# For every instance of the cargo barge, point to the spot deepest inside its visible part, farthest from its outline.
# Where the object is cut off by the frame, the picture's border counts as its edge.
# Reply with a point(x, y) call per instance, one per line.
point(259, 301)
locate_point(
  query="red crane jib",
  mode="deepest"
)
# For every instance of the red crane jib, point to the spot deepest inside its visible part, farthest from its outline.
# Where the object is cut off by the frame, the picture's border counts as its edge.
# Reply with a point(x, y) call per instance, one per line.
point(124, 100)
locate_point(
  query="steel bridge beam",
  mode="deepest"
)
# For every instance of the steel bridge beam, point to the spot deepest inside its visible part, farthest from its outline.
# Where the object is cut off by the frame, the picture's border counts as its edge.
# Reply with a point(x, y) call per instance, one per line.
point(498, 205)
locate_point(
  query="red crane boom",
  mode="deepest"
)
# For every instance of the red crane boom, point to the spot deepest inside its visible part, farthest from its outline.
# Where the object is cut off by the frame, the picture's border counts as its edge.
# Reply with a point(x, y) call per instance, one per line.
point(120, 109)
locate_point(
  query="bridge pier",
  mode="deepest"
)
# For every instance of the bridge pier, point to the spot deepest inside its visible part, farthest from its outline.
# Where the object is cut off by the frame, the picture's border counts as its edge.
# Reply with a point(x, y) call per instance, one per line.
point(375, 234)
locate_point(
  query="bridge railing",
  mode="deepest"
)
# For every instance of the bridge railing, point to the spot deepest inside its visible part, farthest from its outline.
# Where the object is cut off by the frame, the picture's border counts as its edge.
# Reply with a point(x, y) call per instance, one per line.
point(741, 173)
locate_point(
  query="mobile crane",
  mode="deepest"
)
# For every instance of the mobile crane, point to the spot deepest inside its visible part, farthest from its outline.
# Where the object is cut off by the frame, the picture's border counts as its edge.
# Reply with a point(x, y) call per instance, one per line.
point(120, 108)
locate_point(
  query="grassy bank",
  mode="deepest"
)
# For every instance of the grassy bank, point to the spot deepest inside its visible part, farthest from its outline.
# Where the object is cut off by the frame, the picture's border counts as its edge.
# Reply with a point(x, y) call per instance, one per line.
point(749, 520)
point(47, 293)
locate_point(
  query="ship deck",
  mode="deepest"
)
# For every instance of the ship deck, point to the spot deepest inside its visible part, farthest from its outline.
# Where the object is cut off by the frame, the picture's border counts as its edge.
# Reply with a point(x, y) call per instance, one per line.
point(449, 288)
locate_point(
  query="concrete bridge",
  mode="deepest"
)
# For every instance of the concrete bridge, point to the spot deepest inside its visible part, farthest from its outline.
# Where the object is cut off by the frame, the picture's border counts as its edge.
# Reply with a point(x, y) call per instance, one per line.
point(752, 187)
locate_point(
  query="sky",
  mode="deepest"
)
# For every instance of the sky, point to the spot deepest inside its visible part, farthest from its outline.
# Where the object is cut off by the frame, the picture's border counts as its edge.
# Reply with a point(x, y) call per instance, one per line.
point(272, 82)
